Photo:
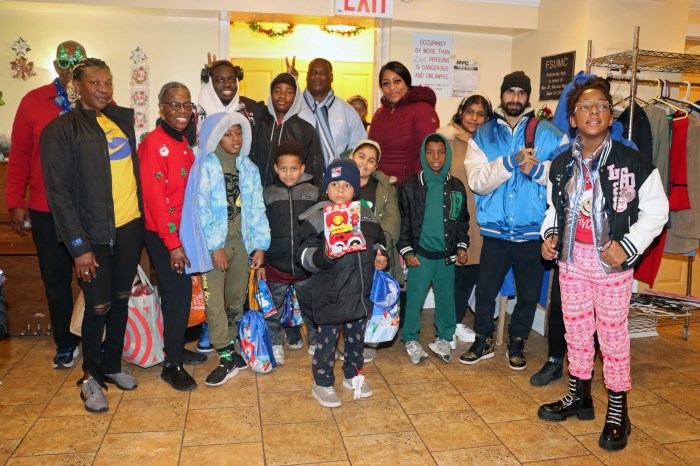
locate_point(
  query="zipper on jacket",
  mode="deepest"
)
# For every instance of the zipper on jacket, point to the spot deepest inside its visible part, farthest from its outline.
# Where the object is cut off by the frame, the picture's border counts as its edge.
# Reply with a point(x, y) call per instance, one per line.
point(291, 227)
point(362, 284)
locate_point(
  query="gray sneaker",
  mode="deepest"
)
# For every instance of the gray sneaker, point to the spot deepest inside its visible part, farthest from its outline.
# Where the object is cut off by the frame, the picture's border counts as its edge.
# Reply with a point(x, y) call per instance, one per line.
point(123, 380)
point(441, 348)
point(91, 393)
point(365, 390)
point(368, 353)
point(415, 352)
point(326, 396)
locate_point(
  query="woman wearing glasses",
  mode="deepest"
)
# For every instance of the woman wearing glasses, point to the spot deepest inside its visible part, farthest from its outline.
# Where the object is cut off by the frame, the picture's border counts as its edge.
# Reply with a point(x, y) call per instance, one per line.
point(91, 171)
point(166, 160)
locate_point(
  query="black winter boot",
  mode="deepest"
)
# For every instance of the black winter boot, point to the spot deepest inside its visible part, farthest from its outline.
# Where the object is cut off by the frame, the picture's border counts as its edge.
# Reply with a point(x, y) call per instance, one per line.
point(617, 423)
point(577, 402)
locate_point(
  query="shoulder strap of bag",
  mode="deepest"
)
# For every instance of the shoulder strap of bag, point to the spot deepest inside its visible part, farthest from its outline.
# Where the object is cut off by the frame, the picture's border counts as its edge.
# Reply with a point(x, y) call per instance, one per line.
point(530, 130)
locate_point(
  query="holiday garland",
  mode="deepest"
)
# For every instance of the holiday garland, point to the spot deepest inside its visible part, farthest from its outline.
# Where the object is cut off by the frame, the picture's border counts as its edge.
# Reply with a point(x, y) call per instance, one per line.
point(271, 33)
point(346, 33)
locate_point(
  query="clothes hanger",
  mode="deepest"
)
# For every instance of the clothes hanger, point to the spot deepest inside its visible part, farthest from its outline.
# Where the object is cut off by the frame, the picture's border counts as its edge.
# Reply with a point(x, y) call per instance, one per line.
point(686, 97)
point(658, 98)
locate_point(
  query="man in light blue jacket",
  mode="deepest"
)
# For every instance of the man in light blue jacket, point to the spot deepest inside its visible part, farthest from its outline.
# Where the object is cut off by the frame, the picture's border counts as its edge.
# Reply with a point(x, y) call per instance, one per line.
point(507, 170)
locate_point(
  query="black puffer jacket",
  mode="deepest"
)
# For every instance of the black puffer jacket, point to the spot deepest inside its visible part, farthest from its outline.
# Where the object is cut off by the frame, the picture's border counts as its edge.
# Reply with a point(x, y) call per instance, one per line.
point(78, 177)
point(283, 206)
point(412, 207)
point(341, 287)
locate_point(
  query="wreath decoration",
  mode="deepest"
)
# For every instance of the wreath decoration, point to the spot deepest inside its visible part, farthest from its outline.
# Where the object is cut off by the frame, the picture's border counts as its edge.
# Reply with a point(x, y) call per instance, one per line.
point(352, 32)
point(271, 33)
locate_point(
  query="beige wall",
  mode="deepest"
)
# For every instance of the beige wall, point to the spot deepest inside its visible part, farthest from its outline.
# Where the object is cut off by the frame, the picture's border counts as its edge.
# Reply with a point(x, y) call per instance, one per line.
point(176, 48)
point(493, 52)
point(566, 25)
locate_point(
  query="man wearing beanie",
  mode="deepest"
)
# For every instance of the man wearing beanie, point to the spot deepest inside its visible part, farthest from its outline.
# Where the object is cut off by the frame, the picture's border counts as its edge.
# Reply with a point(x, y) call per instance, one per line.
point(341, 284)
point(281, 123)
point(509, 181)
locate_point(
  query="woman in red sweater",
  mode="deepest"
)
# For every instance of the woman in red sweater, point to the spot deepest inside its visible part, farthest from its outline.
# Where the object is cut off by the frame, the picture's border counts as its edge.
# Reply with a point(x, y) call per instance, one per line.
point(407, 115)
point(165, 159)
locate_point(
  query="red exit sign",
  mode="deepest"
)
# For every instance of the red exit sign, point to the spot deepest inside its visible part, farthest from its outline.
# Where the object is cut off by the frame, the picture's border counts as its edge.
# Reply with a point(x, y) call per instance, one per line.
point(374, 8)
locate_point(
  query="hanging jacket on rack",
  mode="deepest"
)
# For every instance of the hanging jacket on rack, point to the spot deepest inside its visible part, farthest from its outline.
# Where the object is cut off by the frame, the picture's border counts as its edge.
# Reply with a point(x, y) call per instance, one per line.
point(678, 194)
point(641, 130)
point(661, 137)
point(684, 233)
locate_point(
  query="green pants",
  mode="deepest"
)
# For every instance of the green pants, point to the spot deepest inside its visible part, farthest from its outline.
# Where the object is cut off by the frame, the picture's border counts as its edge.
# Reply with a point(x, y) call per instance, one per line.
point(418, 282)
point(227, 293)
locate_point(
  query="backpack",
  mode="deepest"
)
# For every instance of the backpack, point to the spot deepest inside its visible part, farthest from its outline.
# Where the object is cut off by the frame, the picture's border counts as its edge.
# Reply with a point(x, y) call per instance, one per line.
point(530, 130)
point(254, 339)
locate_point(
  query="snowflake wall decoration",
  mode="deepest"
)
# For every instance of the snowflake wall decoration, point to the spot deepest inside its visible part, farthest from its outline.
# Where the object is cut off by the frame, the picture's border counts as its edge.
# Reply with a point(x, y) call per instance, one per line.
point(138, 56)
point(21, 47)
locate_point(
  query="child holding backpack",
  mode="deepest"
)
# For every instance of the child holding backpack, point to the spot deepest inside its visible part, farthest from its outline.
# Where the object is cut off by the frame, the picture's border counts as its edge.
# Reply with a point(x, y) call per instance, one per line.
point(223, 225)
point(341, 284)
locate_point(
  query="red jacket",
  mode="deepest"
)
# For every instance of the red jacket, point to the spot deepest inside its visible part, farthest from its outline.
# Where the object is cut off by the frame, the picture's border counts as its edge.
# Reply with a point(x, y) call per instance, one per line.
point(400, 131)
point(165, 166)
point(35, 111)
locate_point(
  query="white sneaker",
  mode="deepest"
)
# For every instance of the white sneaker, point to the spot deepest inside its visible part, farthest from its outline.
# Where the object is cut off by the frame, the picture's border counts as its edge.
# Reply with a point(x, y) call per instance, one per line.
point(326, 396)
point(415, 352)
point(278, 353)
point(441, 348)
point(312, 350)
point(365, 390)
point(453, 342)
point(464, 333)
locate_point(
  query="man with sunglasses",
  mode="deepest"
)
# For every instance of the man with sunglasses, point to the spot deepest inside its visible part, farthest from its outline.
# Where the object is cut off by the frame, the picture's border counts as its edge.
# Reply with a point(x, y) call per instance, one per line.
point(35, 111)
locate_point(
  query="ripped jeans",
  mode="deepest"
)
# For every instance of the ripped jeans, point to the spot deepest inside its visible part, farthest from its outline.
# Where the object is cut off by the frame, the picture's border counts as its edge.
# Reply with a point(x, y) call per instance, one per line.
point(107, 301)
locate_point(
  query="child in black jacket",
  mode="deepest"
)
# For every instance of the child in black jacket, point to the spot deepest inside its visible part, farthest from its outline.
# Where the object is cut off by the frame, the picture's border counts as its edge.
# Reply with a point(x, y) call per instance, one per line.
point(291, 195)
point(341, 284)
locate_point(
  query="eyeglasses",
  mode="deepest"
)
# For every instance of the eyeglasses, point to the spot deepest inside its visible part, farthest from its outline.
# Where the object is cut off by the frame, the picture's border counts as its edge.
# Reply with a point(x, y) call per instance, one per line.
point(175, 106)
point(64, 64)
point(588, 107)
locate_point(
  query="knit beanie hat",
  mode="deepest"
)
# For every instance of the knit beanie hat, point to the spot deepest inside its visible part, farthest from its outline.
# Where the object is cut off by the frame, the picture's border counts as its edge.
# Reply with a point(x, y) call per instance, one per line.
point(343, 170)
point(516, 79)
point(285, 78)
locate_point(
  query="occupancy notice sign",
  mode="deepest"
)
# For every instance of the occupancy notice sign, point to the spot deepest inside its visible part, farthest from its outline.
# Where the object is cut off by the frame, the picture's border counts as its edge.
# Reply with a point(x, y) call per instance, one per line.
point(556, 72)
point(432, 62)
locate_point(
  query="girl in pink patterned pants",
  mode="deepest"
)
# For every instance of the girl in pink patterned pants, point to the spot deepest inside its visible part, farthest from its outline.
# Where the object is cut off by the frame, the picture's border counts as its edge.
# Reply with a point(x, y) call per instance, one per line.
point(606, 205)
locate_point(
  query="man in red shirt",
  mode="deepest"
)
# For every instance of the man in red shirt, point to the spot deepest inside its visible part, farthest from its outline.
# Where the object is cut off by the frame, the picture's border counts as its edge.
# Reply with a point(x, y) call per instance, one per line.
point(35, 111)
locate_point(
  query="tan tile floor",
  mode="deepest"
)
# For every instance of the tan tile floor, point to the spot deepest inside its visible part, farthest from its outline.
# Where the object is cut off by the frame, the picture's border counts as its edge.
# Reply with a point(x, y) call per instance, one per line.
point(435, 413)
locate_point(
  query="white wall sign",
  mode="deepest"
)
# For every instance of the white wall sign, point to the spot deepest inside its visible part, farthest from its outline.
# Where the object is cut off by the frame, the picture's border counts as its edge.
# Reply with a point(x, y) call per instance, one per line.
point(432, 62)
point(372, 8)
point(465, 77)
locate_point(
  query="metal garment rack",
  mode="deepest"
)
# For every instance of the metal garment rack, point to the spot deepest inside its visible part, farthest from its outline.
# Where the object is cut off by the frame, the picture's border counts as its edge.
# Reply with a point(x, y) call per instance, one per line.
point(636, 60)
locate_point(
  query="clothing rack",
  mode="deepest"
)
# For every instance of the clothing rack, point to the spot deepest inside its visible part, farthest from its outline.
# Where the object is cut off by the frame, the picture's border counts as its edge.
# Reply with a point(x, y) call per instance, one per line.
point(636, 60)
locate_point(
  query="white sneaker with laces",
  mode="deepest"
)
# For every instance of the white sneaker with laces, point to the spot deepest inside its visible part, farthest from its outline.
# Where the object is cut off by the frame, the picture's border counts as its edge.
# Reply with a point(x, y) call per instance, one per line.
point(326, 396)
point(464, 333)
point(441, 348)
point(415, 352)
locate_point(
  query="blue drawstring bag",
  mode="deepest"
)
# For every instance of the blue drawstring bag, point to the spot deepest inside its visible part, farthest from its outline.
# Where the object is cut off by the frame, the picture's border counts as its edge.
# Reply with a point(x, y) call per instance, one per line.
point(254, 339)
point(291, 313)
point(384, 323)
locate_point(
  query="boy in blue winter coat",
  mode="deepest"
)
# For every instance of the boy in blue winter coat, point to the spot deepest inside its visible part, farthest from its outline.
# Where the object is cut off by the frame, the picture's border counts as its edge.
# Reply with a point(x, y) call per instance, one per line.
point(434, 226)
point(341, 284)
point(223, 225)
point(291, 195)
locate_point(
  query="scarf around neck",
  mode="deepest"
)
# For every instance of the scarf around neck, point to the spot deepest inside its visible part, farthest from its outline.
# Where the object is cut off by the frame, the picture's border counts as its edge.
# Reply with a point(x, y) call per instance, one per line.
point(323, 126)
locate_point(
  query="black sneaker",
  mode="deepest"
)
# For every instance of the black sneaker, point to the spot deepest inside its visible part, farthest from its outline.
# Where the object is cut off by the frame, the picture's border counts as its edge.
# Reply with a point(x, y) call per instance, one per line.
point(65, 359)
point(238, 361)
point(516, 353)
point(191, 358)
point(552, 370)
point(177, 377)
point(482, 348)
point(224, 371)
